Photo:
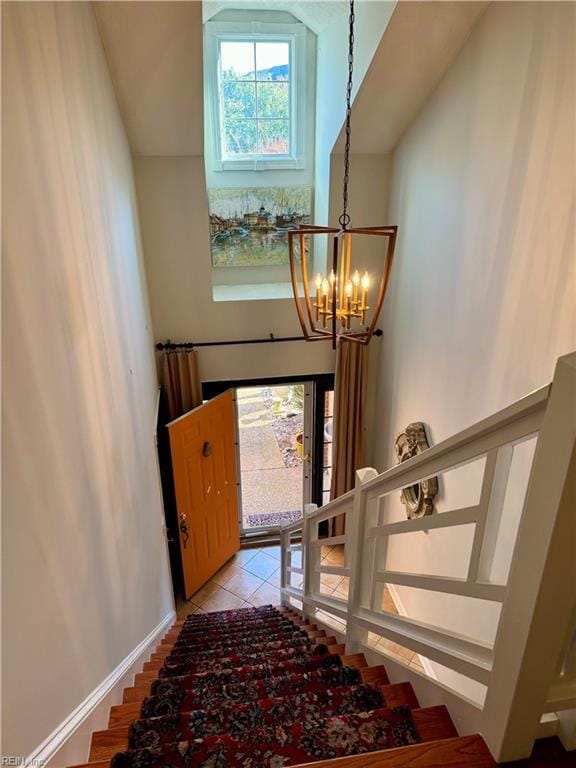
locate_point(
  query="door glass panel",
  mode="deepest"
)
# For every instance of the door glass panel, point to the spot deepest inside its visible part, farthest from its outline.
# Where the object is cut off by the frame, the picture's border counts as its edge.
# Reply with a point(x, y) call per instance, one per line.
point(327, 445)
point(270, 428)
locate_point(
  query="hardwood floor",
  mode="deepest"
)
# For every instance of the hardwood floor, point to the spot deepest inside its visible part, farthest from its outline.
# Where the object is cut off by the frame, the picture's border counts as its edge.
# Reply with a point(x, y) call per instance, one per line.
point(547, 752)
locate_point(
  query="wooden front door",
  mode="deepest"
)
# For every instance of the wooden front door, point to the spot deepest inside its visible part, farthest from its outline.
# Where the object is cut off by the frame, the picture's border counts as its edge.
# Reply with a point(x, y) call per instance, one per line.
point(202, 444)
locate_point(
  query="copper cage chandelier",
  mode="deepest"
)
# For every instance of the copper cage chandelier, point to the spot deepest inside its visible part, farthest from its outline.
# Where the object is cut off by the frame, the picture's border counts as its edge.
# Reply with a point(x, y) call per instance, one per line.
point(338, 307)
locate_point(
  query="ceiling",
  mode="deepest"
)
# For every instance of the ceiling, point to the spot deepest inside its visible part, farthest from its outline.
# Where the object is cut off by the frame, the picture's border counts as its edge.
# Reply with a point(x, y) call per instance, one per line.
point(154, 51)
point(317, 15)
point(419, 44)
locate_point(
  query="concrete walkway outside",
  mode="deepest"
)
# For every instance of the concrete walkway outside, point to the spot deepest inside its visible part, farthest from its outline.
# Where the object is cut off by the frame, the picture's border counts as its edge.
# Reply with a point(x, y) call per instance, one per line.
point(271, 472)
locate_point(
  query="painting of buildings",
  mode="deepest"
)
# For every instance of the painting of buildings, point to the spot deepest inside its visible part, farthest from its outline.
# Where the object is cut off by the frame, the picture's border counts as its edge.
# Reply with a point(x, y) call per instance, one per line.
point(248, 226)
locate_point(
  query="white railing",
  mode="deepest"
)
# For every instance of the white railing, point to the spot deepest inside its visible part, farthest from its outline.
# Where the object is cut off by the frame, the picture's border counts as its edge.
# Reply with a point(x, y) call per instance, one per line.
point(500, 613)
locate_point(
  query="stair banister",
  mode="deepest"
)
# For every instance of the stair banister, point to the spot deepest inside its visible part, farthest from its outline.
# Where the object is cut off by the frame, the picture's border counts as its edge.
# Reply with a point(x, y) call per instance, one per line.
point(538, 614)
point(287, 549)
point(530, 669)
point(356, 635)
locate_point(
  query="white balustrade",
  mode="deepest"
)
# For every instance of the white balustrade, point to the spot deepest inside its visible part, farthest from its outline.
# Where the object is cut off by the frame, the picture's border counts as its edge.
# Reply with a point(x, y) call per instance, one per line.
point(530, 668)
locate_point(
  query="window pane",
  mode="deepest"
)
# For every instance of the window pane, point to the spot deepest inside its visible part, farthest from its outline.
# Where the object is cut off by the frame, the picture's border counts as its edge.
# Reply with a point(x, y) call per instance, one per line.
point(240, 137)
point(239, 100)
point(237, 60)
point(274, 137)
point(273, 100)
point(272, 61)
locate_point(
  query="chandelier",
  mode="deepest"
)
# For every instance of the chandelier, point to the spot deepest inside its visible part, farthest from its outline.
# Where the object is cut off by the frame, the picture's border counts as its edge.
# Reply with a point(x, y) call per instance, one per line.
point(344, 304)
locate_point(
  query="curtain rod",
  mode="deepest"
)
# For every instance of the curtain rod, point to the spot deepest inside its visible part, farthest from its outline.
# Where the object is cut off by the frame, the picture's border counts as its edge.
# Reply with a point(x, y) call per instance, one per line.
point(170, 345)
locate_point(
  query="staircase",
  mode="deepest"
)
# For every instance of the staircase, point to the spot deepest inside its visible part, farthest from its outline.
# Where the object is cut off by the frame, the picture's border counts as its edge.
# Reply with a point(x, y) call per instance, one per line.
point(267, 687)
point(264, 688)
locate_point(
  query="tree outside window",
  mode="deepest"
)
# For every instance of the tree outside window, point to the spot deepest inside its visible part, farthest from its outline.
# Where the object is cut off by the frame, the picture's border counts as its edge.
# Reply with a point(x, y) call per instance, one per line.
point(255, 98)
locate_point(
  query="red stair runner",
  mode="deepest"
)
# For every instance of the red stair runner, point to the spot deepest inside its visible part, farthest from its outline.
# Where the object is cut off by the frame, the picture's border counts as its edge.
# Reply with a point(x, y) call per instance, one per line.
point(241, 687)
point(248, 688)
point(238, 720)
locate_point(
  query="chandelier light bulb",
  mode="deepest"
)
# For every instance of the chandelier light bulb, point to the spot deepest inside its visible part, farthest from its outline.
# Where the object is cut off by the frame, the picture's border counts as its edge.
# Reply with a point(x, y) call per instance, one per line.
point(325, 287)
point(365, 281)
point(348, 288)
point(356, 278)
point(318, 281)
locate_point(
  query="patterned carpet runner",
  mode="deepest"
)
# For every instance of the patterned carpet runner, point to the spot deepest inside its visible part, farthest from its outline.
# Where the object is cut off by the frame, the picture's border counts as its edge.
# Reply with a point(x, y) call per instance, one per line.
point(250, 689)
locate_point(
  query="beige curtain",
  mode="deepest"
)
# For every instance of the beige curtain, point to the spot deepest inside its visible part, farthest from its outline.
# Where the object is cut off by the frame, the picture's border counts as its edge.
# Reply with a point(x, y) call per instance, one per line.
point(181, 382)
point(349, 408)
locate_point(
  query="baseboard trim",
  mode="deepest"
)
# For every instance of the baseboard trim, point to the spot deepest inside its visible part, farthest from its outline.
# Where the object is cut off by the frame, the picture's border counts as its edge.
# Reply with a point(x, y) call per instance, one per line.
point(69, 743)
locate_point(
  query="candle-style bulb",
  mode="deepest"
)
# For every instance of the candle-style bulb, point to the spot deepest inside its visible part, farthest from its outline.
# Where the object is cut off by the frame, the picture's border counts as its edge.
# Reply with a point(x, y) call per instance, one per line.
point(348, 288)
point(365, 281)
point(318, 281)
point(325, 287)
point(356, 278)
point(332, 277)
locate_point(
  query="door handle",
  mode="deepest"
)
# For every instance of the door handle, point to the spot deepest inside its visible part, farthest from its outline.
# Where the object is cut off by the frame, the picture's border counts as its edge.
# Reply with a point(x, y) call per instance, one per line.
point(184, 530)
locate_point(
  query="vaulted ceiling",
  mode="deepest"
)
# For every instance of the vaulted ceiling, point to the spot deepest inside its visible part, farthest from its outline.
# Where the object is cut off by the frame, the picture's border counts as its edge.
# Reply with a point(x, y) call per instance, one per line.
point(420, 43)
point(154, 51)
point(317, 15)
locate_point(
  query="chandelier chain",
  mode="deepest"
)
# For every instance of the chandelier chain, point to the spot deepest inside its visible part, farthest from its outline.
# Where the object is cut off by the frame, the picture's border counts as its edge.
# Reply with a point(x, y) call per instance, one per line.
point(345, 217)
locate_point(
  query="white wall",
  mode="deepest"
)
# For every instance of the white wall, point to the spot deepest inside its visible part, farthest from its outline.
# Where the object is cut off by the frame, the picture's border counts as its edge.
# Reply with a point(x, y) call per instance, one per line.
point(482, 296)
point(371, 20)
point(173, 214)
point(172, 199)
point(171, 186)
point(85, 575)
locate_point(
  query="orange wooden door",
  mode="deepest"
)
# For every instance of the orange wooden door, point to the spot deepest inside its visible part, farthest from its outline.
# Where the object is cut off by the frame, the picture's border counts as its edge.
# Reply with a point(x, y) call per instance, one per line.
point(202, 443)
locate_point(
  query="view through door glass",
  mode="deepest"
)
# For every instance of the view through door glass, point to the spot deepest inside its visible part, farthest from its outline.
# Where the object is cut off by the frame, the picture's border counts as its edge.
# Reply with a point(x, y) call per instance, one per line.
point(327, 428)
point(271, 428)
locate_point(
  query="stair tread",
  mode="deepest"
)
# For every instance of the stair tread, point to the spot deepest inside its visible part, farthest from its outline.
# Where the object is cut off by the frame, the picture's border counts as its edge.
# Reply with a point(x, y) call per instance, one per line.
point(378, 728)
point(93, 764)
point(120, 712)
point(459, 752)
point(156, 664)
point(143, 680)
point(339, 700)
point(431, 723)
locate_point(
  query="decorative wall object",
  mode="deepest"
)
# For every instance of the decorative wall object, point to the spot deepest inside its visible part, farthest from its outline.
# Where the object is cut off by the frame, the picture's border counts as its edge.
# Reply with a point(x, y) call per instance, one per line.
point(249, 227)
point(418, 498)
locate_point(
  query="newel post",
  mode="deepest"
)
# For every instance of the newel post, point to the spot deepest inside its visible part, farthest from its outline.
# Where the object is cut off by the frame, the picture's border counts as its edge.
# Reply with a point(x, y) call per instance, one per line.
point(355, 528)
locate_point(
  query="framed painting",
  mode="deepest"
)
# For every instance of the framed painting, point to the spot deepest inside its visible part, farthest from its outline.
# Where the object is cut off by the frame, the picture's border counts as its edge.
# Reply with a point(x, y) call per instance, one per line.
point(248, 226)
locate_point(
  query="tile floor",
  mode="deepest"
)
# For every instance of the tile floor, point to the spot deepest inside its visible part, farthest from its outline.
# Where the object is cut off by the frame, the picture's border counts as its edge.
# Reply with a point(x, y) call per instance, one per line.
point(252, 577)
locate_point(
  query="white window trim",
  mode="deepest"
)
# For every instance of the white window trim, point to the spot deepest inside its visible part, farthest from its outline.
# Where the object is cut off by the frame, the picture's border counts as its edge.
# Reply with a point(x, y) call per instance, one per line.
point(296, 35)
